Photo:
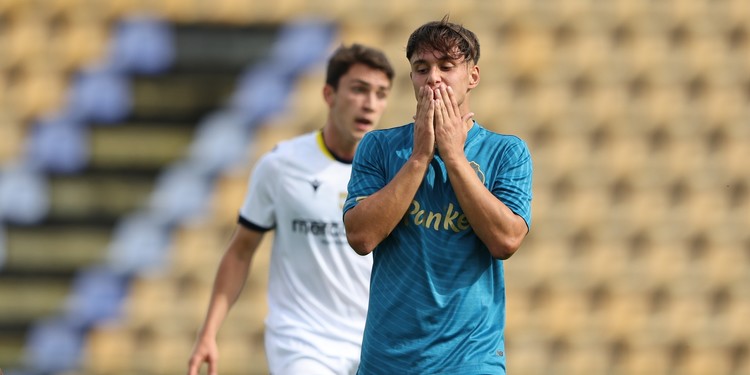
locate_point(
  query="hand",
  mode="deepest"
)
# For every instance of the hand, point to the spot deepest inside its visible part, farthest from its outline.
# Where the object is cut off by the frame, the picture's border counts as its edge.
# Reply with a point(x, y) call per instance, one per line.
point(205, 351)
point(424, 125)
point(451, 128)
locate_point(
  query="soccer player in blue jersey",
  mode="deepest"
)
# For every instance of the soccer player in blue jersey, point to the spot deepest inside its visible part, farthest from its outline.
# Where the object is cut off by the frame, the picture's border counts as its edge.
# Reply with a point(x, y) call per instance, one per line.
point(440, 203)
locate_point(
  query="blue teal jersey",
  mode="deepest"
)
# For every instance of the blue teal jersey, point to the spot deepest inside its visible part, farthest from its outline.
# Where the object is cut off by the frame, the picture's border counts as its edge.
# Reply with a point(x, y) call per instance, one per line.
point(437, 296)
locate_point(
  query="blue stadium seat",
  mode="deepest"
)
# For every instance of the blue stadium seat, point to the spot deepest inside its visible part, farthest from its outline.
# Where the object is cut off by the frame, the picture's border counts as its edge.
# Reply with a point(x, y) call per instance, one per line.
point(261, 92)
point(142, 45)
point(53, 346)
point(23, 195)
point(96, 296)
point(221, 141)
point(139, 243)
point(303, 43)
point(180, 192)
point(100, 94)
point(58, 144)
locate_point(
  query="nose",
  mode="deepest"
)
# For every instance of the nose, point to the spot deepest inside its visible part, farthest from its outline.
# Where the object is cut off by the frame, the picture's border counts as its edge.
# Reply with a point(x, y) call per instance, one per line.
point(433, 77)
point(370, 100)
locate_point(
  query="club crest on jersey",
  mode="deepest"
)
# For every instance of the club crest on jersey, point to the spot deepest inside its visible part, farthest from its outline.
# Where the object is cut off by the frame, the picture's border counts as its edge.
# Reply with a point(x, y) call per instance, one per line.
point(315, 184)
point(477, 170)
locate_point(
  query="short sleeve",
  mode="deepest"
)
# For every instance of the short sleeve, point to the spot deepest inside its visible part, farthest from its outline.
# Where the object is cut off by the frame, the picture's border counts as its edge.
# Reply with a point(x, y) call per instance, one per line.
point(512, 184)
point(368, 171)
point(257, 211)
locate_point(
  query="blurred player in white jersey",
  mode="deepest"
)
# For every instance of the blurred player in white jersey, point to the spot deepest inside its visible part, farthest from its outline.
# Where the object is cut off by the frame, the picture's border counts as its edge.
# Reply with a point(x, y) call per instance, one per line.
point(318, 287)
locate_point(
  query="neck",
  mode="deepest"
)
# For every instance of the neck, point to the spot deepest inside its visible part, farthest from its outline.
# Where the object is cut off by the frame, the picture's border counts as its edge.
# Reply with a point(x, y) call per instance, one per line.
point(341, 149)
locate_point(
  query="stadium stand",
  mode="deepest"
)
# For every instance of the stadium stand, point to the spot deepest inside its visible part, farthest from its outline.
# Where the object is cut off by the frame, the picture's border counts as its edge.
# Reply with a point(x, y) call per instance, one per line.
point(128, 129)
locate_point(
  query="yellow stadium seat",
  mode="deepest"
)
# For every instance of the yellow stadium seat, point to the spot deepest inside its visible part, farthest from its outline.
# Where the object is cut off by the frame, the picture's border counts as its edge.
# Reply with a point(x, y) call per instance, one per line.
point(26, 41)
point(39, 90)
point(12, 133)
point(109, 350)
point(82, 41)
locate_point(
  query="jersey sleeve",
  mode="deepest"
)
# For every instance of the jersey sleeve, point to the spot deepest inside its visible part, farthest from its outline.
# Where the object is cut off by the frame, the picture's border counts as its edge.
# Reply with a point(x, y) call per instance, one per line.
point(368, 173)
point(257, 211)
point(513, 184)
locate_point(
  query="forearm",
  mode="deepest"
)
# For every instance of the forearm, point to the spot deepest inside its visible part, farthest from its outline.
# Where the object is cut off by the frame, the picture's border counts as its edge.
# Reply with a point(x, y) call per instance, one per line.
point(228, 284)
point(230, 277)
point(499, 228)
point(375, 217)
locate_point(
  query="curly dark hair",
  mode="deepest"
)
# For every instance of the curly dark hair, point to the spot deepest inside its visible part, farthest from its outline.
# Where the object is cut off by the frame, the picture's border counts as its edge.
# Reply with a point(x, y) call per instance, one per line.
point(444, 36)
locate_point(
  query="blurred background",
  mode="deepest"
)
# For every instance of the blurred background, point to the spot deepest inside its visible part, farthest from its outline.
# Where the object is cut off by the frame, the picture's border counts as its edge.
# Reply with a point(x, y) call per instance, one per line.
point(128, 129)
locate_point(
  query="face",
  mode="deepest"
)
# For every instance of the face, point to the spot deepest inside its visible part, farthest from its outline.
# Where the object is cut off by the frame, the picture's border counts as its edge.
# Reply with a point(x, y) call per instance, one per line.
point(358, 102)
point(436, 69)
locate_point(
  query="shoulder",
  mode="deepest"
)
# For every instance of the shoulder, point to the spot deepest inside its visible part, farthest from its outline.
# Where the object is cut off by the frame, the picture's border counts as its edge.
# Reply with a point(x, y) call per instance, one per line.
point(291, 149)
point(505, 141)
point(391, 134)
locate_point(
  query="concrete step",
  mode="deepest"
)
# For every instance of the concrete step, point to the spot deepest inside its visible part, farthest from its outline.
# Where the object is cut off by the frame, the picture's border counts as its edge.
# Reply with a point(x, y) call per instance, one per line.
point(181, 96)
point(98, 196)
point(56, 248)
point(139, 145)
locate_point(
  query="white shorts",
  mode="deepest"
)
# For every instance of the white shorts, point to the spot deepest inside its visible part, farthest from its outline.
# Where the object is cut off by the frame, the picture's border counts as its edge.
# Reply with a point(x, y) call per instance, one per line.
point(290, 356)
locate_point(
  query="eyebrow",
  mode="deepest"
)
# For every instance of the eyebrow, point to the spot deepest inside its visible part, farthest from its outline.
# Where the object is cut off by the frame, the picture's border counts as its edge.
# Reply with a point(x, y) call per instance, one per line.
point(442, 59)
point(368, 84)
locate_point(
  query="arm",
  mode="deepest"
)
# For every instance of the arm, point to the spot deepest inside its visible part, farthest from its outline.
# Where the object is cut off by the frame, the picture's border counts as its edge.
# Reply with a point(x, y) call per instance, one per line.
point(499, 228)
point(373, 219)
point(229, 281)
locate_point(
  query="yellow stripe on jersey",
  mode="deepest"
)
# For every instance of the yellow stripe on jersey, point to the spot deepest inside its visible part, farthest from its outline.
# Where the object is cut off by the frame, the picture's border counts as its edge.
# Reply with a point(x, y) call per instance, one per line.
point(322, 146)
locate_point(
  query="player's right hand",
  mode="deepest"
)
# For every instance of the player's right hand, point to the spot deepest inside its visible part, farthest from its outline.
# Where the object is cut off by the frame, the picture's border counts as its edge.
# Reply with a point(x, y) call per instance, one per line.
point(204, 351)
point(424, 124)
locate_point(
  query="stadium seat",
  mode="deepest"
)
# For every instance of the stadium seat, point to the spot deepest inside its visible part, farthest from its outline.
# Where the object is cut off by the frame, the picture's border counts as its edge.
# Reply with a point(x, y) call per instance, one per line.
point(139, 244)
point(149, 302)
point(58, 144)
point(38, 90)
point(302, 44)
point(180, 192)
point(53, 345)
point(12, 132)
point(109, 350)
point(26, 40)
point(81, 41)
point(141, 45)
point(220, 142)
point(99, 94)
point(23, 195)
point(96, 296)
point(3, 247)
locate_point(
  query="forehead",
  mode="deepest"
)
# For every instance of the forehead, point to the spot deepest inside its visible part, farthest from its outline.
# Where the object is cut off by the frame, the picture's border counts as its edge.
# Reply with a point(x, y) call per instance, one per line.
point(364, 74)
point(428, 55)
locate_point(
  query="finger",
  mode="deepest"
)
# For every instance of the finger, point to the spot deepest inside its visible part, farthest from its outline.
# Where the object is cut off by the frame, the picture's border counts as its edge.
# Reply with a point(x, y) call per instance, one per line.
point(445, 105)
point(453, 104)
point(468, 116)
point(440, 114)
point(424, 100)
point(213, 368)
point(194, 365)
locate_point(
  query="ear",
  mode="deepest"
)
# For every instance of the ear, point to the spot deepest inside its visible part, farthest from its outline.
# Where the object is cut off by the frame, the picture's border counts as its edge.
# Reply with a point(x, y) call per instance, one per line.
point(474, 76)
point(328, 94)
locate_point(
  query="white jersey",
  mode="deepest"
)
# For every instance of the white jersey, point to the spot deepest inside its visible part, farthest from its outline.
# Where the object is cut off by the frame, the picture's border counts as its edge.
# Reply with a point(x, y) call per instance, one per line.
point(318, 287)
